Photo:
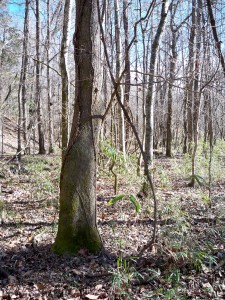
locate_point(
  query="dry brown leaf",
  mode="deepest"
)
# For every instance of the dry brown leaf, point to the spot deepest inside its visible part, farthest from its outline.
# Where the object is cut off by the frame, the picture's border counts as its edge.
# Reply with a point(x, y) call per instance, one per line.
point(40, 286)
point(75, 293)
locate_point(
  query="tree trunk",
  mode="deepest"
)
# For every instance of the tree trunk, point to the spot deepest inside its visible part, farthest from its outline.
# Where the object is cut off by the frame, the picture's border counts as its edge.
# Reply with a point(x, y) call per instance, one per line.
point(50, 128)
point(121, 127)
point(127, 62)
point(190, 83)
point(65, 74)
point(170, 95)
point(22, 120)
point(197, 92)
point(38, 88)
point(24, 76)
point(215, 35)
point(150, 94)
point(77, 217)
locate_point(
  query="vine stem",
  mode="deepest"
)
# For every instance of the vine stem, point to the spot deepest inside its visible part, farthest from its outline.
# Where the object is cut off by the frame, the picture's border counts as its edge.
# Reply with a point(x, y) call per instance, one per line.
point(126, 114)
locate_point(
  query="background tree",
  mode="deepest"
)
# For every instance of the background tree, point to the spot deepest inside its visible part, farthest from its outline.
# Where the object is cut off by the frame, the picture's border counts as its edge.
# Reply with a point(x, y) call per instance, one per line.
point(65, 74)
point(150, 94)
point(38, 87)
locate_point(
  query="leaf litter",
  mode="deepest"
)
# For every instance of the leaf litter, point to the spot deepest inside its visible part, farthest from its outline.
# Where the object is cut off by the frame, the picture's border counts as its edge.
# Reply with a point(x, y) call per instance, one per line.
point(187, 262)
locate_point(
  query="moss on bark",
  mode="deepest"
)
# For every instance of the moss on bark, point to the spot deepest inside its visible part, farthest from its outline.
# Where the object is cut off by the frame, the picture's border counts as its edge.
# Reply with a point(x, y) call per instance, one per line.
point(85, 238)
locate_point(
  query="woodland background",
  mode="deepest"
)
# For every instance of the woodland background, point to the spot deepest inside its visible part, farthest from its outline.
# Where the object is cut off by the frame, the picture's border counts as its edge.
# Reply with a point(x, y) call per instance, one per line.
point(164, 62)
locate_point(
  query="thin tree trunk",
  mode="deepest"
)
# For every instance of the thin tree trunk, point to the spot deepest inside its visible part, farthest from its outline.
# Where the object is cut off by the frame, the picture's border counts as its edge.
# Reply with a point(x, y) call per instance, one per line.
point(121, 127)
point(190, 95)
point(197, 93)
point(127, 62)
point(150, 94)
point(50, 128)
point(170, 94)
point(19, 122)
point(38, 87)
point(65, 74)
point(22, 119)
point(215, 35)
point(24, 75)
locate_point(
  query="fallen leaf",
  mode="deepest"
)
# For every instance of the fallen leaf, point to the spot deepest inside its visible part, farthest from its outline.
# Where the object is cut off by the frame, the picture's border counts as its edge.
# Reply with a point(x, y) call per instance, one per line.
point(207, 285)
point(91, 297)
point(98, 287)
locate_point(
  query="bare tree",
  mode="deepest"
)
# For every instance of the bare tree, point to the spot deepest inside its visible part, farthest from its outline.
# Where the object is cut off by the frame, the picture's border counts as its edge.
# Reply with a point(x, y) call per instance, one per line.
point(38, 87)
point(150, 94)
point(50, 128)
point(121, 127)
point(65, 74)
point(77, 217)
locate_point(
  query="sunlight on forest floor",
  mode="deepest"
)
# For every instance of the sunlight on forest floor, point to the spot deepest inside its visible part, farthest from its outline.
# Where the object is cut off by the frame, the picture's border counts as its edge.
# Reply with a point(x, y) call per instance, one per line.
point(187, 262)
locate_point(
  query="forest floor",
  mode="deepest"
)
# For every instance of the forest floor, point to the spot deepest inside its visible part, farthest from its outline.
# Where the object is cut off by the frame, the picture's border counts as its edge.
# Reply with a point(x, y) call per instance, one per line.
point(187, 262)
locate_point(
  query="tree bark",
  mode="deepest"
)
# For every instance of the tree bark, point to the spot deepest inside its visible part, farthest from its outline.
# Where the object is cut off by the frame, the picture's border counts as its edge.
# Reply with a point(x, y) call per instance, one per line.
point(50, 128)
point(190, 84)
point(215, 35)
point(65, 74)
point(77, 218)
point(22, 120)
point(24, 76)
point(173, 59)
point(38, 88)
point(127, 62)
point(121, 127)
point(150, 94)
point(197, 92)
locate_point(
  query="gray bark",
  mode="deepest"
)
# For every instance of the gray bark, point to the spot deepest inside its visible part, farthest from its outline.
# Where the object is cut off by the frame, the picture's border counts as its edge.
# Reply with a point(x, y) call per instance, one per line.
point(190, 84)
point(38, 88)
point(121, 127)
point(50, 128)
point(65, 74)
point(77, 218)
point(150, 94)
point(197, 91)
point(24, 68)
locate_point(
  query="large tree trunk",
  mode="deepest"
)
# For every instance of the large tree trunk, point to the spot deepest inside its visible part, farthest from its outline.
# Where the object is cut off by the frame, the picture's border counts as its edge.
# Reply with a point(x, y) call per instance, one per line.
point(77, 218)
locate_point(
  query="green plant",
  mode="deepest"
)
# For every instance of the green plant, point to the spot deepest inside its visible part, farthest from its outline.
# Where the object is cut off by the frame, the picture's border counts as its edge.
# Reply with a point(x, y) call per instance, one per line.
point(201, 258)
point(163, 177)
point(132, 198)
point(174, 277)
point(123, 275)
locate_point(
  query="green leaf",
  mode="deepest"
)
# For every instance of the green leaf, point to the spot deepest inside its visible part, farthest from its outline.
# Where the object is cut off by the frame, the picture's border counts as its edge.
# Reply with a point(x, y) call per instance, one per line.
point(199, 179)
point(115, 199)
point(135, 202)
